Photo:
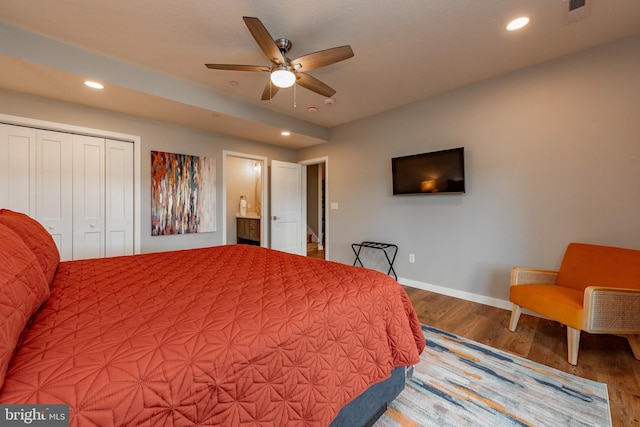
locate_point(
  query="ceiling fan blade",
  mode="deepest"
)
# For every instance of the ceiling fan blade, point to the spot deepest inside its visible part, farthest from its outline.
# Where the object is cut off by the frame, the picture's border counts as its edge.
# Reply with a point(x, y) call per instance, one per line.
point(231, 67)
point(314, 85)
point(270, 91)
point(322, 58)
point(264, 39)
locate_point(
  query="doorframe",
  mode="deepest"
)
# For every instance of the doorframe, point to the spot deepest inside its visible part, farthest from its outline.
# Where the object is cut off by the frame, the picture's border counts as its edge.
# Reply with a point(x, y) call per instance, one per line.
point(315, 161)
point(264, 232)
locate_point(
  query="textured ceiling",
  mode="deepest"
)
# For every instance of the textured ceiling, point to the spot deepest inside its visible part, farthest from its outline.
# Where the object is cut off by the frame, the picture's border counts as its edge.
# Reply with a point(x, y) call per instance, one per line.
point(151, 54)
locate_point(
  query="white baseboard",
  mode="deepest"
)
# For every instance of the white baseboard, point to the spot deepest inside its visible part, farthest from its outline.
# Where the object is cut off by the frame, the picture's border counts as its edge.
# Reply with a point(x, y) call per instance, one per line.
point(468, 296)
point(494, 302)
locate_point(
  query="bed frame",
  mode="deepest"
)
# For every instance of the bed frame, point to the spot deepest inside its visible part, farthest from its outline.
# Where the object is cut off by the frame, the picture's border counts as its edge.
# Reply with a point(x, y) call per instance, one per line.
point(365, 409)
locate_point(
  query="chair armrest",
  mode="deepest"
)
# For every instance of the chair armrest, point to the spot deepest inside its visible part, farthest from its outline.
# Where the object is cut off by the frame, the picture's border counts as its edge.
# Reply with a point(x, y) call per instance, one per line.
point(611, 310)
point(532, 276)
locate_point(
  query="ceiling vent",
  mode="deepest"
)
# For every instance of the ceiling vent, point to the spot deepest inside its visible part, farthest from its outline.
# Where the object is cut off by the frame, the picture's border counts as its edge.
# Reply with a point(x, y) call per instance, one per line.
point(576, 4)
point(576, 10)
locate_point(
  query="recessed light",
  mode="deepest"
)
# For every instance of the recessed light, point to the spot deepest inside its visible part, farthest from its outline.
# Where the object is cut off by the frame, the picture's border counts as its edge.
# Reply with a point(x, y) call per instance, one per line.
point(517, 23)
point(285, 133)
point(94, 85)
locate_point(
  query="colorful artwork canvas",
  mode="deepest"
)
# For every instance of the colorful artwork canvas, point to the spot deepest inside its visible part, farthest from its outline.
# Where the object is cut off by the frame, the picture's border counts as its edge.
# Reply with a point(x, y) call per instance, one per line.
point(183, 194)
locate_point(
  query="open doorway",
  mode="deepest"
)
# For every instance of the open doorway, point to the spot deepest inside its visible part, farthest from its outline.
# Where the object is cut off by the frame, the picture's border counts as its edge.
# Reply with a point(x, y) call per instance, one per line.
point(316, 213)
point(244, 199)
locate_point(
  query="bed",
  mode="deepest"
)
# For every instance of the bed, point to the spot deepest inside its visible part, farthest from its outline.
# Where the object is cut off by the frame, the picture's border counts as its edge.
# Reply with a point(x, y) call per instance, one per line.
point(227, 335)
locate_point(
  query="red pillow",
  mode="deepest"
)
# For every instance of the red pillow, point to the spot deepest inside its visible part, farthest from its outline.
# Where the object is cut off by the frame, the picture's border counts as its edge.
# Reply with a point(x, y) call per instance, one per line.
point(23, 288)
point(37, 239)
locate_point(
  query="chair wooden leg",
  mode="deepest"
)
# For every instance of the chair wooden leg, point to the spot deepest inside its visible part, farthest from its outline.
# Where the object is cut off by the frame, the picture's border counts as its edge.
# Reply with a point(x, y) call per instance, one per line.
point(634, 342)
point(515, 316)
point(573, 344)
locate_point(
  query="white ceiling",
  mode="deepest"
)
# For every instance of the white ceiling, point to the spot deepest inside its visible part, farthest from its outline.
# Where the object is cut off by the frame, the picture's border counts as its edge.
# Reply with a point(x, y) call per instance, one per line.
point(151, 54)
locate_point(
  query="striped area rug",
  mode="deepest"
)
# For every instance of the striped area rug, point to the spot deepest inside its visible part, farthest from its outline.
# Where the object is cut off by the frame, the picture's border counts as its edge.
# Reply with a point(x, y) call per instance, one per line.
point(459, 382)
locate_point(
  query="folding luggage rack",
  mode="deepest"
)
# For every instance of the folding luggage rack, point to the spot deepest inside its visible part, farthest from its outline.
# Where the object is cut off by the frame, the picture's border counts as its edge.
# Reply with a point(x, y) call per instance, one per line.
point(377, 245)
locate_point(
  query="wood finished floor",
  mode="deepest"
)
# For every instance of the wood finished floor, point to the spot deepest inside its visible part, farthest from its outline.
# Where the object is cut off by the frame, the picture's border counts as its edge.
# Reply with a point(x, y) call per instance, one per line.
point(603, 358)
point(313, 251)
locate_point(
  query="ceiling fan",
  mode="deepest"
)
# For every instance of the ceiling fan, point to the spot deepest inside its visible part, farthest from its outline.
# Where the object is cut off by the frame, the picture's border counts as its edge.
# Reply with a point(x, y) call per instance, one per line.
point(284, 72)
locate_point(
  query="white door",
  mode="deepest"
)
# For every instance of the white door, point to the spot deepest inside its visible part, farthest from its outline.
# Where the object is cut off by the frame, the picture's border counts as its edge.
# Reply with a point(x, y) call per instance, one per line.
point(79, 188)
point(54, 188)
point(287, 226)
point(88, 197)
point(17, 168)
point(119, 198)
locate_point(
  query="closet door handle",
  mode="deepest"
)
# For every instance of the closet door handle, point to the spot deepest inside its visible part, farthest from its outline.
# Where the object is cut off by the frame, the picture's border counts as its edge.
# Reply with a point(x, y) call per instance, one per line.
point(275, 218)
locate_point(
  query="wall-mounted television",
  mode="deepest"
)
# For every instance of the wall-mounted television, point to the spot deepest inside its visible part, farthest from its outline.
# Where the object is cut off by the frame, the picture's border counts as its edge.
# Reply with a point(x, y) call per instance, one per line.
point(437, 172)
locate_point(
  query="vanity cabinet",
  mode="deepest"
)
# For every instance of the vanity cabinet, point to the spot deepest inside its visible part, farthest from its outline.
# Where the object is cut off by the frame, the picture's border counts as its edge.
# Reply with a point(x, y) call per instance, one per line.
point(248, 230)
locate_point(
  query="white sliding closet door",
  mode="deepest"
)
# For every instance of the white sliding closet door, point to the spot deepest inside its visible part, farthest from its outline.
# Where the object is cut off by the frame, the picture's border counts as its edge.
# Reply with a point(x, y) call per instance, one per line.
point(119, 198)
point(88, 197)
point(80, 188)
point(54, 188)
point(17, 168)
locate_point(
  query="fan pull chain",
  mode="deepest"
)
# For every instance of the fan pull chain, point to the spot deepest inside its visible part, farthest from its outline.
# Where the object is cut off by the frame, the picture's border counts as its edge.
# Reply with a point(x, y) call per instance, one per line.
point(270, 86)
point(295, 85)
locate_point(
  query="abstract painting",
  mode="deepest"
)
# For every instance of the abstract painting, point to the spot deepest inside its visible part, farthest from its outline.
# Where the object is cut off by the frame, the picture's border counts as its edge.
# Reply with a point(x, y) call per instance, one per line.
point(183, 194)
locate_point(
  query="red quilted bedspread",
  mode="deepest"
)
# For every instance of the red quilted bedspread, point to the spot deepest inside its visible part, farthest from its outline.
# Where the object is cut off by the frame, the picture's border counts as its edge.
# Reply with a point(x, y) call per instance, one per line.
point(230, 335)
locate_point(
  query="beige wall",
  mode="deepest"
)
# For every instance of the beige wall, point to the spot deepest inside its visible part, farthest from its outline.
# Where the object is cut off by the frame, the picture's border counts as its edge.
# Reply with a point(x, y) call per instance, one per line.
point(552, 155)
point(156, 136)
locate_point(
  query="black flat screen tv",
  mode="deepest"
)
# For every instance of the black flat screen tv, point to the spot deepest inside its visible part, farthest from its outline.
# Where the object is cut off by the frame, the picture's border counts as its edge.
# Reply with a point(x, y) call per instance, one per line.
point(437, 172)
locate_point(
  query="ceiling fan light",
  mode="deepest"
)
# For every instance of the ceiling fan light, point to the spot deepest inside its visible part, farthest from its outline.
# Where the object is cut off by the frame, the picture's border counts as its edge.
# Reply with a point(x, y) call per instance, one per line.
point(283, 77)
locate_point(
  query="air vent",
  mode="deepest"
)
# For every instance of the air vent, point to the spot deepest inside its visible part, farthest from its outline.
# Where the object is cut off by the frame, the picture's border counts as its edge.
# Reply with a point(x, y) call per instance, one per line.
point(576, 4)
point(576, 10)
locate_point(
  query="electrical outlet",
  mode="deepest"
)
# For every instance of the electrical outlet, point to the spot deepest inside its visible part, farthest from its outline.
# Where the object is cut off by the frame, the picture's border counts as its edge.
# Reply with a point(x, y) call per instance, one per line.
point(412, 258)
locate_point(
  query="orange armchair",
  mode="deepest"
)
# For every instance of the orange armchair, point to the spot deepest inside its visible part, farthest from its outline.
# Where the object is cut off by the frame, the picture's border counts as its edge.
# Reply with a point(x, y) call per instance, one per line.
point(596, 290)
